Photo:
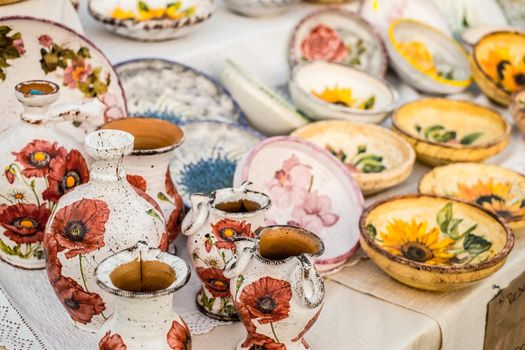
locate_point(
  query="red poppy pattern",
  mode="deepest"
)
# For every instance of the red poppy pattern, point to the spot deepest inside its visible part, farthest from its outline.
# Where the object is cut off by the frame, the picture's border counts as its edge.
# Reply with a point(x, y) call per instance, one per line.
point(53, 264)
point(226, 230)
point(177, 214)
point(9, 175)
point(215, 282)
point(65, 174)
point(111, 342)
point(137, 181)
point(267, 299)
point(148, 199)
point(307, 328)
point(179, 336)
point(163, 245)
point(24, 223)
point(261, 342)
point(36, 157)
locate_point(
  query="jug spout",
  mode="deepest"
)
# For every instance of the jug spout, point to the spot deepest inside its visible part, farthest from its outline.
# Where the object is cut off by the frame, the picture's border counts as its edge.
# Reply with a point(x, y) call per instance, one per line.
point(198, 214)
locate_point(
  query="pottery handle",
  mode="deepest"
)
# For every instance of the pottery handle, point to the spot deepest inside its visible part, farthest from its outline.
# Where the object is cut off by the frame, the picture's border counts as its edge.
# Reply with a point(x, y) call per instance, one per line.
point(238, 263)
point(246, 185)
point(307, 284)
point(91, 111)
point(199, 214)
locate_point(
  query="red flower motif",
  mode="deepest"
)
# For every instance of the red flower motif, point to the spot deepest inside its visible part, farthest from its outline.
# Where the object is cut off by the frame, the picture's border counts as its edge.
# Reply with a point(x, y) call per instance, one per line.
point(267, 299)
point(177, 214)
point(179, 337)
point(65, 174)
point(80, 226)
point(18, 44)
point(214, 280)
point(36, 157)
point(9, 174)
point(45, 40)
point(111, 342)
point(137, 181)
point(245, 317)
point(262, 342)
point(24, 223)
point(53, 264)
point(307, 328)
point(170, 186)
point(77, 72)
point(80, 305)
point(323, 43)
point(163, 245)
point(226, 230)
point(148, 199)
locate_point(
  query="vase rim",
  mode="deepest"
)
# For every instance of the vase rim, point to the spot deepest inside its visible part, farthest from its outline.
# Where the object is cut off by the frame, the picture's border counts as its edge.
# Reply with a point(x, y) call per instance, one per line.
point(264, 206)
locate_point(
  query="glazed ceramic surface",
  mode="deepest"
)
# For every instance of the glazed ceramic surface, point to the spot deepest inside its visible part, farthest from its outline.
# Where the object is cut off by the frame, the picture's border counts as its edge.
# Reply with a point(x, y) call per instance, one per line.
point(470, 36)
point(434, 243)
point(174, 92)
point(82, 70)
point(151, 20)
point(426, 58)
point(94, 221)
point(338, 36)
point(275, 288)
point(309, 188)
point(514, 11)
point(447, 131)
point(377, 158)
point(266, 111)
point(258, 8)
point(142, 282)
point(517, 109)
point(212, 225)
point(354, 95)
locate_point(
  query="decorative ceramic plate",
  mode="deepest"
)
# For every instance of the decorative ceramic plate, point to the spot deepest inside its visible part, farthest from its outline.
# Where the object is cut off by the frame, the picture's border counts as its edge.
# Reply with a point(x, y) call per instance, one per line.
point(338, 36)
point(258, 8)
point(174, 92)
point(309, 188)
point(40, 49)
point(517, 109)
point(446, 131)
point(206, 161)
point(434, 243)
point(377, 157)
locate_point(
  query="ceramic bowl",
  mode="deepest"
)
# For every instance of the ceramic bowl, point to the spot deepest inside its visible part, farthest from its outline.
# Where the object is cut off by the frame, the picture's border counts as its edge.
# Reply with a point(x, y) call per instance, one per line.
point(517, 109)
point(446, 131)
point(495, 188)
point(426, 58)
point(259, 8)
point(470, 36)
point(7, 2)
point(135, 23)
point(377, 157)
point(497, 65)
point(313, 78)
point(434, 243)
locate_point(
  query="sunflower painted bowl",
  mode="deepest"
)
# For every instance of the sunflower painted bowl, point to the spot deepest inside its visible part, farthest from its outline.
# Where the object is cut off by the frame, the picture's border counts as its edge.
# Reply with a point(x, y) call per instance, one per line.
point(497, 189)
point(446, 131)
point(517, 109)
point(377, 157)
point(498, 65)
point(434, 243)
point(426, 58)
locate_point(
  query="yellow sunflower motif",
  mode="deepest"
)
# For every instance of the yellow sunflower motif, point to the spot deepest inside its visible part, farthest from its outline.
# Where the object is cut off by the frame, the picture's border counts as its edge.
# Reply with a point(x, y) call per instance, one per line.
point(514, 76)
point(343, 96)
point(495, 61)
point(418, 55)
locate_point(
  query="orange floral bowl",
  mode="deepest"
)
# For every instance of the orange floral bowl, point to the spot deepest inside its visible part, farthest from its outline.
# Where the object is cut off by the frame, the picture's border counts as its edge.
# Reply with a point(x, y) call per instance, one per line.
point(517, 109)
point(434, 243)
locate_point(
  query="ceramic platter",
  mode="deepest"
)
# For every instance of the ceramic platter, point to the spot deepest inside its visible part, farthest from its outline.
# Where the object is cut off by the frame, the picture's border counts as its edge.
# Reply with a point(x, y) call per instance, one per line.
point(338, 36)
point(87, 74)
point(174, 92)
point(206, 161)
point(309, 188)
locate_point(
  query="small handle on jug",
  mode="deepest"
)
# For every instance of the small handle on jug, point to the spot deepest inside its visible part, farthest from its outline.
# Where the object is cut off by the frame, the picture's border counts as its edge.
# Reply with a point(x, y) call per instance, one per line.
point(238, 263)
point(199, 214)
point(88, 111)
point(307, 284)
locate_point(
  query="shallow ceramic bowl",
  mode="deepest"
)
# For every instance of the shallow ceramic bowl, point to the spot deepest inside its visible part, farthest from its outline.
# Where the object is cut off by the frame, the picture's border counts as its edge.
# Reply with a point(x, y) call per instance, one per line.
point(497, 189)
point(446, 131)
point(470, 36)
point(318, 75)
point(447, 55)
point(359, 147)
point(259, 8)
point(517, 109)
point(410, 239)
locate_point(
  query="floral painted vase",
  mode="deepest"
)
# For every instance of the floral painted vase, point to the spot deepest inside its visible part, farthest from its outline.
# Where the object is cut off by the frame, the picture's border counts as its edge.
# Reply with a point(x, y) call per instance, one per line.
point(276, 290)
point(142, 282)
point(94, 221)
point(212, 224)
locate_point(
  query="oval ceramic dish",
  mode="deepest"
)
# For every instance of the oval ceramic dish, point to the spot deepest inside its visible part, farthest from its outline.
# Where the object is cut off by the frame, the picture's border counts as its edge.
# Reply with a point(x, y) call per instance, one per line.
point(377, 157)
point(434, 243)
point(310, 189)
point(338, 36)
point(517, 109)
point(426, 58)
point(497, 189)
point(446, 131)
point(470, 36)
point(498, 66)
point(324, 90)
point(259, 8)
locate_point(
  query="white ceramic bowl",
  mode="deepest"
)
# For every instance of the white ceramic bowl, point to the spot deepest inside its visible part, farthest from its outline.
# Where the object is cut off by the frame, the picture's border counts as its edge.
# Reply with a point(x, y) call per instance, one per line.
point(259, 8)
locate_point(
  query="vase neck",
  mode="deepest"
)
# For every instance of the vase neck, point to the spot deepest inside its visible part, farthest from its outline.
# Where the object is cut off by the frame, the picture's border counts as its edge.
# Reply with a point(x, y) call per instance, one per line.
point(107, 170)
point(146, 313)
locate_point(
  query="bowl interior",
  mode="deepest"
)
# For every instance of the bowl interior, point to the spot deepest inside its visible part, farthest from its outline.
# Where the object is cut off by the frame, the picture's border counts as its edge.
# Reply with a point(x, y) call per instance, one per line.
point(147, 10)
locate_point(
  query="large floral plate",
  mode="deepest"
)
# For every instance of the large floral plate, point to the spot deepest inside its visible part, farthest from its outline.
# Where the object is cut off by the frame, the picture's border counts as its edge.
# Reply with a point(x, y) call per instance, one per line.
point(33, 48)
point(174, 92)
point(309, 188)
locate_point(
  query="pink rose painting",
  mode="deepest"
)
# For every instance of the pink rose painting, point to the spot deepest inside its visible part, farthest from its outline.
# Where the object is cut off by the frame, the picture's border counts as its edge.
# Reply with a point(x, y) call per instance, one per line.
point(324, 43)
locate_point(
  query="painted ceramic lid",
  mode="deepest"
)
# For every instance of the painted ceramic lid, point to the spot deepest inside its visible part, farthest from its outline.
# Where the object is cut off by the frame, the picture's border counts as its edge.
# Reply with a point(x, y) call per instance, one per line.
point(338, 36)
point(309, 188)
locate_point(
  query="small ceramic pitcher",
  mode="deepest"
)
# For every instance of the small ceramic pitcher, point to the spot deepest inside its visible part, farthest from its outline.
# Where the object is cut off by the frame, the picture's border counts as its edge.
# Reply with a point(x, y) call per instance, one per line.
point(276, 290)
point(142, 281)
point(213, 223)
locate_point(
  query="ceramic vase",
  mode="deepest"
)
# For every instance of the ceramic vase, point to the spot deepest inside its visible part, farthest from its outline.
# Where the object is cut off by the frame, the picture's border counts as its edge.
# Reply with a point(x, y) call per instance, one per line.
point(94, 221)
point(142, 282)
point(276, 290)
point(212, 224)
point(147, 167)
point(38, 166)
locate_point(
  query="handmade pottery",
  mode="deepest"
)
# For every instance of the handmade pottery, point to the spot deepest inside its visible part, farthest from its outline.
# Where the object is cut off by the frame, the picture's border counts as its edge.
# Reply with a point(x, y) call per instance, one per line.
point(309, 188)
point(275, 288)
point(212, 225)
point(434, 243)
point(497, 65)
point(324, 90)
point(259, 8)
point(336, 35)
point(142, 281)
point(446, 131)
point(94, 221)
point(266, 111)
point(514, 12)
point(151, 20)
point(470, 36)
point(174, 92)
point(147, 167)
point(377, 158)
point(517, 109)
point(426, 58)
point(7, 2)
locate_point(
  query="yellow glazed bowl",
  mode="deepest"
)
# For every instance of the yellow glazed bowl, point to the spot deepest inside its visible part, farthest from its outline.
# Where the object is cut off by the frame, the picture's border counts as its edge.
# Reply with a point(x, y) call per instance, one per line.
point(7, 2)
point(446, 131)
point(434, 243)
point(517, 109)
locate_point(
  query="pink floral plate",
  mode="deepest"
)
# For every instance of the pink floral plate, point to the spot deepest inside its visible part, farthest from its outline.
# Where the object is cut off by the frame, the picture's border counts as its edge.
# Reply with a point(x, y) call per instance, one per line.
point(309, 188)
